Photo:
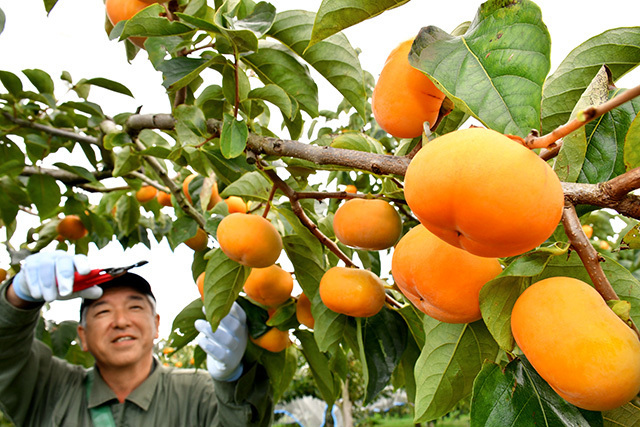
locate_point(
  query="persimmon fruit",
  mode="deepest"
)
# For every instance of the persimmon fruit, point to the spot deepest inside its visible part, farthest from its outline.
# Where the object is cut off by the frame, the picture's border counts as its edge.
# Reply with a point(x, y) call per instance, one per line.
point(200, 284)
point(588, 230)
point(236, 204)
point(404, 97)
point(303, 311)
point(71, 228)
point(269, 286)
point(586, 353)
point(370, 224)
point(146, 193)
point(352, 291)
point(483, 192)
point(199, 241)
point(274, 340)
point(164, 198)
point(250, 240)
point(352, 189)
point(3, 275)
point(441, 280)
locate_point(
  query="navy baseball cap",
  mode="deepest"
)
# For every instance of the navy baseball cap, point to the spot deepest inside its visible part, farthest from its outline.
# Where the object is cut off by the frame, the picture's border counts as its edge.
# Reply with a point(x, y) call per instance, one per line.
point(126, 280)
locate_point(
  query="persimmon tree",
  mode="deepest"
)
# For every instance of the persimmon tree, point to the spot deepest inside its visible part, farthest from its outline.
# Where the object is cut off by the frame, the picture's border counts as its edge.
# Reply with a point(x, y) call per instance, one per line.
point(494, 69)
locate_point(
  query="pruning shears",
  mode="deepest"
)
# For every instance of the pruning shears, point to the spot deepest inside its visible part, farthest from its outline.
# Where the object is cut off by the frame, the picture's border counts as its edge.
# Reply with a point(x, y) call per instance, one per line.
point(100, 275)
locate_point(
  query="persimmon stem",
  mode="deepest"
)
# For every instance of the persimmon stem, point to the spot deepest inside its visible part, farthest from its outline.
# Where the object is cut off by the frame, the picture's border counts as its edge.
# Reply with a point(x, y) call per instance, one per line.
point(583, 118)
point(304, 219)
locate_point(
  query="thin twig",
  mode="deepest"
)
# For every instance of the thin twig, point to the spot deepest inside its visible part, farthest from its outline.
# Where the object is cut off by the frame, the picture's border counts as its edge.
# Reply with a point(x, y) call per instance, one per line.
point(583, 118)
point(304, 219)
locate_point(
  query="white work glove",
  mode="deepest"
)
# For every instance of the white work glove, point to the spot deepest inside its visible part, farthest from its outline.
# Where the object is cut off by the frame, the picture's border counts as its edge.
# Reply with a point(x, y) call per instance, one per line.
point(48, 276)
point(224, 347)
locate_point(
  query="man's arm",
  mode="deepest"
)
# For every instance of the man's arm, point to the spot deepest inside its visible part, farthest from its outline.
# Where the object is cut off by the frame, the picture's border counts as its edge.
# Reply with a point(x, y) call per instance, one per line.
point(17, 302)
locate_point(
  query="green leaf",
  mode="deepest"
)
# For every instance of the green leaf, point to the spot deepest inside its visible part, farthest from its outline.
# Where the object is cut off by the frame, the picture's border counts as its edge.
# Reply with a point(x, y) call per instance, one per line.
point(333, 17)
point(11, 82)
point(127, 161)
point(498, 296)
point(276, 65)
point(243, 34)
point(451, 358)
point(44, 193)
point(414, 320)
point(180, 71)
point(233, 137)
point(281, 368)
point(275, 95)
point(182, 229)
point(78, 170)
point(109, 85)
point(358, 141)
point(632, 145)
point(518, 396)
point(334, 58)
point(116, 139)
point(127, 214)
point(495, 71)
point(626, 415)
point(252, 185)
point(223, 282)
point(3, 20)
point(574, 146)
point(41, 80)
point(49, 4)
point(618, 49)
point(631, 240)
point(319, 365)
point(86, 107)
point(183, 330)
point(384, 339)
point(149, 23)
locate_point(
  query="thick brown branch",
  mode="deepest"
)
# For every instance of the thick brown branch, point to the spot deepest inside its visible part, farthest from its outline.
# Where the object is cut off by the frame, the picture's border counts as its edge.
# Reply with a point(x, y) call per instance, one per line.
point(587, 253)
point(617, 188)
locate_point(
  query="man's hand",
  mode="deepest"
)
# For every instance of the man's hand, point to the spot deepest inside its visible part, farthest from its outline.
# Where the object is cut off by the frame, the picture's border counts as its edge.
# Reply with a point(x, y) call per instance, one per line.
point(47, 276)
point(224, 347)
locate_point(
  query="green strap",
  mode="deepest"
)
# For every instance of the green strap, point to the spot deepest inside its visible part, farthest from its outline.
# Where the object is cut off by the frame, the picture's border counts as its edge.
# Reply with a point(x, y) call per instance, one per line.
point(101, 415)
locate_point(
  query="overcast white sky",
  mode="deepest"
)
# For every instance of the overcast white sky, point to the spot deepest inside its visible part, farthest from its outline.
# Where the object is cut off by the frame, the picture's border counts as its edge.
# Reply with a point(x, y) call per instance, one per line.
point(72, 38)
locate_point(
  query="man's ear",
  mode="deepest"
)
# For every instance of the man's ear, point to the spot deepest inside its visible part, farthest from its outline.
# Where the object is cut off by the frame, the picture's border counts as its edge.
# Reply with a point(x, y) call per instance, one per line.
point(157, 320)
point(81, 335)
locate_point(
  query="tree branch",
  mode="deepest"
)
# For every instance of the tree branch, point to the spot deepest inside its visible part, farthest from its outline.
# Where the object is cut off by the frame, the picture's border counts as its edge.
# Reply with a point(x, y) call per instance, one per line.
point(306, 221)
point(584, 117)
point(67, 134)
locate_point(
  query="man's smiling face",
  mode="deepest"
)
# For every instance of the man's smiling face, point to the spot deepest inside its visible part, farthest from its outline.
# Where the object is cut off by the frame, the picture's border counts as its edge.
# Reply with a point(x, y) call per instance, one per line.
point(120, 329)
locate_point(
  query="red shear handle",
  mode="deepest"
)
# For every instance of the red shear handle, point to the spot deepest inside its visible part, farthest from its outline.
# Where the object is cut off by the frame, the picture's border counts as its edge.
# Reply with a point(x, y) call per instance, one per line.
point(94, 277)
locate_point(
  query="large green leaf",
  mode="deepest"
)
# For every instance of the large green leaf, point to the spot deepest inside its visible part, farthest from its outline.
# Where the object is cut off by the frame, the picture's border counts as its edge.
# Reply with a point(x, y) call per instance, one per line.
point(632, 145)
point(11, 82)
point(40, 79)
point(252, 185)
point(44, 193)
point(498, 296)
point(495, 71)
point(233, 137)
point(243, 33)
point(149, 23)
point(223, 282)
point(627, 415)
point(618, 48)
point(334, 16)
point(334, 58)
point(179, 72)
point(607, 134)
point(358, 141)
point(183, 330)
point(319, 365)
point(518, 396)
point(384, 339)
point(573, 152)
point(451, 358)
point(275, 64)
point(109, 85)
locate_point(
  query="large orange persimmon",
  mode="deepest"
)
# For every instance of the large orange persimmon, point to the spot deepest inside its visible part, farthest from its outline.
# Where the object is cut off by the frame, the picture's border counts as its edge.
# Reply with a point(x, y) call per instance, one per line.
point(404, 97)
point(370, 224)
point(250, 240)
point(71, 227)
point(483, 192)
point(439, 279)
point(269, 286)
point(586, 353)
point(352, 291)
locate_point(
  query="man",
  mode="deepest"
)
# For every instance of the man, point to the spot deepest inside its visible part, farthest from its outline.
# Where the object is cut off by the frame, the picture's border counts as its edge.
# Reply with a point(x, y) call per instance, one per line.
point(127, 386)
